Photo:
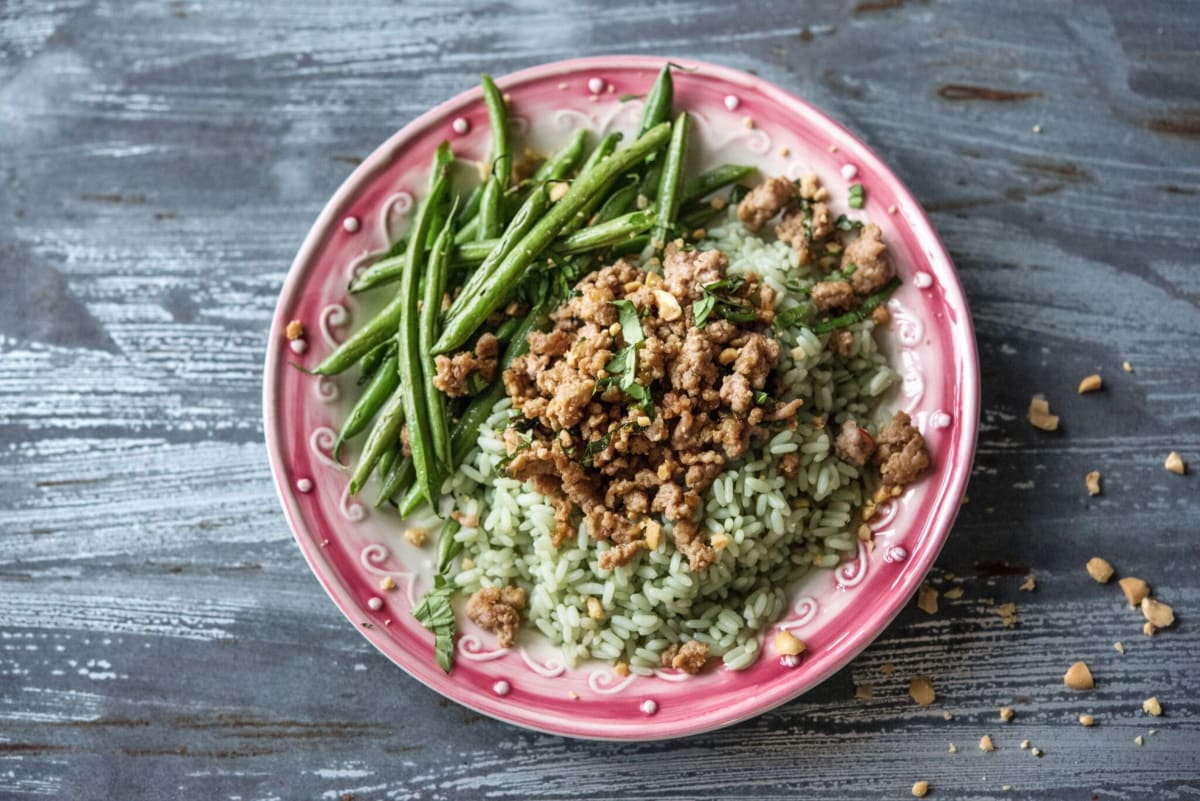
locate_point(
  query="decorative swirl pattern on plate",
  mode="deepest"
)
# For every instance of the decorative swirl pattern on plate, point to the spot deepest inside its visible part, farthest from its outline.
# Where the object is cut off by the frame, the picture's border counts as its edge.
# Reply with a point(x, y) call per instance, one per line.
point(606, 682)
point(351, 509)
point(852, 574)
point(398, 204)
point(795, 170)
point(321, 442)
point(895, 553)
point(913, 376)
point(908, 327)
point(885, 513)
point(805, 610)
point(632, 110)
point(335, 315)
point(326, 389)
point(518, 125)
point(359, 264)
point(473, 649)
point(569, 119)
point(672, 675)
point(755, 140)
point(552, 668)
point(374, 554)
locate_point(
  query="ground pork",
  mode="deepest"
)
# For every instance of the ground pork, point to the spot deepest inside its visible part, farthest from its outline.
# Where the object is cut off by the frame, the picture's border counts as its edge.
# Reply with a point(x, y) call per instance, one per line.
point(454, 372)
point(841, 342)
point(765, 201)
point(498, 609)
point(900, 451)
point(688, 657)
point(793, 229)
point(687, 272)
point(853, 444)
point(828, 295)
point(872, 269)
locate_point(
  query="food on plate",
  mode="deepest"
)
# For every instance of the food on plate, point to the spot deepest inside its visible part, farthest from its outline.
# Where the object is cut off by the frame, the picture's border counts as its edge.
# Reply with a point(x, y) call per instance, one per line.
point(643, 402)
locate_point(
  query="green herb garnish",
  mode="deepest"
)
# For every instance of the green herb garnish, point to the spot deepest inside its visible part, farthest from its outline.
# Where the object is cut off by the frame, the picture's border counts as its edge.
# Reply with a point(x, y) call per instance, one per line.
point(630, 322)
point(702, 308)
point(435, 612)
point(761, 397)
point(859, 314)
point(858, 196)
point(844, 223)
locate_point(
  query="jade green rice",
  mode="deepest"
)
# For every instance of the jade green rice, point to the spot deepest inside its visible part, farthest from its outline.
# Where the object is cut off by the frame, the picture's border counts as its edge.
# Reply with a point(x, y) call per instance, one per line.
point(778, 527)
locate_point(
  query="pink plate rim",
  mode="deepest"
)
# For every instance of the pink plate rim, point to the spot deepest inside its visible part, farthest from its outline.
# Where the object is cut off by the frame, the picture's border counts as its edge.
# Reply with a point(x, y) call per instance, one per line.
point(755, 700)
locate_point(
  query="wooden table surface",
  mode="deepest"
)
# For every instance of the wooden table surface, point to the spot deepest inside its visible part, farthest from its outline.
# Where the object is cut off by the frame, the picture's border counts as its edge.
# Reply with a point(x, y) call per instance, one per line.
point(160, 162)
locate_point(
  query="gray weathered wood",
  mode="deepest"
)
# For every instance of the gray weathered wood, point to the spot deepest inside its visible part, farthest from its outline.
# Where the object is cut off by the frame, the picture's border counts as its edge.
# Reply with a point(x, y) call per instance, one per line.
point(160, 636)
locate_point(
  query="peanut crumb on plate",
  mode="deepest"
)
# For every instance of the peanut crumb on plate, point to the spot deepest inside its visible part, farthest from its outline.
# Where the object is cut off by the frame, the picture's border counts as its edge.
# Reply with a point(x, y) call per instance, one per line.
point(416, 536)
point(1092, 480)
point(1040, 417)
point(788, 644)
point(1087, 721)
point(747, 122)
point(294, 330)
point(927, 599)
point(1079, 677)
point(921, 690)
point(920, 789)
point(1136, 590)
point(1175, 464)
point(574, 696)
point(1100, 569)
point(387, 583)
point(986, 744)
point(1151, 706)
point(621, 669)
point(1090, 384)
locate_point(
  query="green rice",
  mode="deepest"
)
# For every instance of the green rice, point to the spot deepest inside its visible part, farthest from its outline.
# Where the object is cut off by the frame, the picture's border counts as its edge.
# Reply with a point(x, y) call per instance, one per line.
point(778, 527)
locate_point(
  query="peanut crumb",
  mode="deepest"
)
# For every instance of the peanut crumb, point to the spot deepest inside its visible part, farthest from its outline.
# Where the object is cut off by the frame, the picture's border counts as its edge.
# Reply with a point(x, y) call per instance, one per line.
point(1008, 614)
point(294, 330)
point(947, 715)
point(1006, 713)
point(1152, 706)
point(467, 563)
point(1140, 740)
point(1026, 744)
point(833, 148)
point(1099, 569)
point(953, 748)
point(416, 536)
point(1127, 367)
point(785, 151)
point(653, 534)
point(1040, 417)
point(387, 583)
point(891, 209)
point(1119, 648)
point(921, 690)
point(1148, 629)
point(920, 789)
point(621, 669)
point(747, 122)
point(1090, 384)
point(986, 744)
point(595, 609)
point(864, 692)
point(927, 599)
point(1175, 464)
point(699, 233)
point(1006, 787)
point(1029, 585)
point(954, 593)
point(1092, 480)
point(1087, 721)
point(574, 696)
point(887, 668)
point(880, 315)
point(1037, 752)
point(668, 306)
point(1078, 677)
point(788, 644)
point(1158, 613)
point(720, 541)
point(1135, 590)
point(718, 203)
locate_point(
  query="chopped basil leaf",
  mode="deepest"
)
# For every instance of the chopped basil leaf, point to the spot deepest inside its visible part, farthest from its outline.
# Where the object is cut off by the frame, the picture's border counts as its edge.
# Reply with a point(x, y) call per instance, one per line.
point(761, 397)
point(702, 308)
point(844, 223)
point(857, 196)
point(631, 324)
point(627, 98)
point(789, 317)
point(435, 612)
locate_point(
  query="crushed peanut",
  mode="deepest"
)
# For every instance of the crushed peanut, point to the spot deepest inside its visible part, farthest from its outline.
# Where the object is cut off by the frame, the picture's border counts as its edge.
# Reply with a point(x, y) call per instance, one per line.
point(921, 690)
point(1029, 585)
point(668, 306)
point(574, 696)
point(727, 357)
point(880, 315)
point(1025, 744)
point(1157, 613)
point(595, 609)
point(1127, 367)
point(1152, 706)
point(1119, 648)
point(947, 715)
point(1140, 740)
point(720, 541)
point(621, 669)
point(788, 644)
point(294, 330)
point(1175, 464)
point(1148, 629)
point(1089, 384)
point(986, 744)
point(747, 122)
point(1008, 614)
point(1078, 677)
point(387, 583)
point(1006, 713)
point(887, 668)
point(1037, 752)
point(920, 789)
point(1092, 480)
point(653, 534)
point(864, 692)
point(1100, 569)
point(954, 593)
point(1135, 590)
point(416, 536)
point(927, 599)
point(953, 748)
point(1040, 417)
point(557, 190)
point(1087, 721)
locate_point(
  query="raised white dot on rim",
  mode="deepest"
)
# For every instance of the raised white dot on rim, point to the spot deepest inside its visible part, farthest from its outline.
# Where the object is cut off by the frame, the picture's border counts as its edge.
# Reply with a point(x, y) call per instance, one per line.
point(789, 660)
point(923, 279)
point(732, 102)
point(649, 706)
point(501, 687)
point(940, 420)
point(849, 171)
point(350, 224)
point(298, 345)
point(595, 85)
point(304, 485)
point(460, 125)
point(375, 603)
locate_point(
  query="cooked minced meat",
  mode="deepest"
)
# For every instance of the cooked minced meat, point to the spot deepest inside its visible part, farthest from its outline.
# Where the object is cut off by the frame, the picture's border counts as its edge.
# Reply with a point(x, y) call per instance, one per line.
point(498, 609)
point(587, 442)
point(454, 372)
point(829, 295)
point(900, 451)
point(765, 201)
point(688, 657)
point(853, 444)
point(868, 254)
point(841, 343)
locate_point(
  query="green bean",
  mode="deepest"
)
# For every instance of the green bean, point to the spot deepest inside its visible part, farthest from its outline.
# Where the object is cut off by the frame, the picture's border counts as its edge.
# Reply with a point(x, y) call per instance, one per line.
point(858, 315)
point(603, 150)
point(412, 384)
point(384, 434)
point(470, 207)
point(560, 164)
point(607, 234)
point(507, 329)
point(388, 459)
point(714, 179)
point(635, 245)
point(619, 202)
point(658, 101)
point(369, 363)
point(382, 385)
point(379, 329)
point(470, 229)
point(491, 213)
point(672, 177)
point(502, 159)
point(431, 309)
point(447, 547)
point(465, 435)
point(398, 479)
point(508, 273)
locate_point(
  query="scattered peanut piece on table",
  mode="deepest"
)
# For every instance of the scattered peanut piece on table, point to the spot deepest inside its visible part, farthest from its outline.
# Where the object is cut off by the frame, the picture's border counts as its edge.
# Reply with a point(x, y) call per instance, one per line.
point(1092, 480)
point(954, 593)
point(887, 668)
point(1175, 464)
point(1006, 713)
point(1152, 706)
point(1127, 367)
point(1029, 585)
point(1078, 677)
point(1119, 648)
point(947, 715)
point(1040, 417)
point(864, 692)
point(1008, 614)
point(1037, 752)
point(921, 690)
point(1148, 629)
point(1087, 721)
point(1100, 569)
point(1140, 740)
point(1135, 590)
point(1158, 613)
point(1025, 744)
point(986, 744)
point(1090, 384)
point(920, 789)
point(953, 748)
point(927, 599)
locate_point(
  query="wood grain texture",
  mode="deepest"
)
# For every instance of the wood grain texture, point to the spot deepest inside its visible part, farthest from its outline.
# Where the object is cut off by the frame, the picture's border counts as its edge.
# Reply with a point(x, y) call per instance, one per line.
point(160, 636)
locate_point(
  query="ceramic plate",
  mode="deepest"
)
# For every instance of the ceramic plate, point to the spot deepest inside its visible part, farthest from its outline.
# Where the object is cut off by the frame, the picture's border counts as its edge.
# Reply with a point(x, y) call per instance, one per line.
point(352, 547)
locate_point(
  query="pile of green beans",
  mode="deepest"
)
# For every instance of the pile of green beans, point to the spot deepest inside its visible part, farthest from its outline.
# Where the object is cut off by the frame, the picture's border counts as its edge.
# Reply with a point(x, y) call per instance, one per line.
point(481, 249)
